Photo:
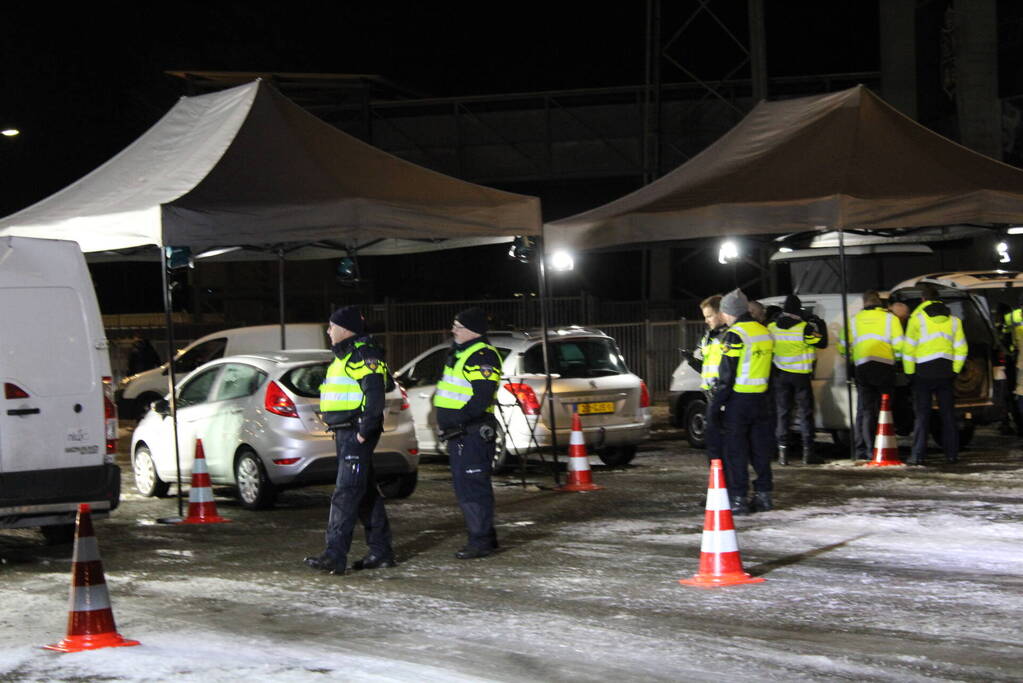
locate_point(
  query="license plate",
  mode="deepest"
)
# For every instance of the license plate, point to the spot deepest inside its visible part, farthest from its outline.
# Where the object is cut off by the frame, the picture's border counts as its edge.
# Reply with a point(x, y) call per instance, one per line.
point(595, 408)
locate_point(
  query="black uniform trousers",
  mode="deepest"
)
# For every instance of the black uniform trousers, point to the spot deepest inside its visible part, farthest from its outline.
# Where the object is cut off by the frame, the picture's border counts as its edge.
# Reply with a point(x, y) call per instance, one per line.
point(713, 438)
point(748, 441)
point(942, 387)
point(471, 460)
point(356, 497)
point(868, 410)
point(786, 387)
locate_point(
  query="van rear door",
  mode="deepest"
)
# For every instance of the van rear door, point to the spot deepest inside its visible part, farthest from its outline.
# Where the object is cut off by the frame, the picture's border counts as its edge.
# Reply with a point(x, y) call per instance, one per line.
point(53, 399)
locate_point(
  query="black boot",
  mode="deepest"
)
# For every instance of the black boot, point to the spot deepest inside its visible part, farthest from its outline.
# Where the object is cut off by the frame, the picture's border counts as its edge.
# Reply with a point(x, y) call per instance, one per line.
point(739, 505)
point(374, 562)
point(810, 456)
point(761, 501)
point(783, 454)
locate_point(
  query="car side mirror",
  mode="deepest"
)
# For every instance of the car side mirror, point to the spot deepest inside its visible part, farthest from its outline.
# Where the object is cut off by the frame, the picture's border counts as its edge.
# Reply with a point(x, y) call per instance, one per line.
point(162, 407)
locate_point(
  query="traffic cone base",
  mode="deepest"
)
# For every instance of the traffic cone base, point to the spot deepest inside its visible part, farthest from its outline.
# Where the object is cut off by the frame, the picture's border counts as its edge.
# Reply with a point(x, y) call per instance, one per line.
point(886, 447)
point(580, 477)
point(90, 623)
point(720, 562)
point(202, 509)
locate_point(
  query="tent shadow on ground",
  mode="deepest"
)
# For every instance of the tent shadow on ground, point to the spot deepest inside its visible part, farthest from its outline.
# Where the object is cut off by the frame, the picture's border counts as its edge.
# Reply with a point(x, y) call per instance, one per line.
point(768, 567)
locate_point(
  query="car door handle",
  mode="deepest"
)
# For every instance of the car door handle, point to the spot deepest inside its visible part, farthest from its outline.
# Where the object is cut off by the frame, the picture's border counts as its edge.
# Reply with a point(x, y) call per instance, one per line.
point(23, 411)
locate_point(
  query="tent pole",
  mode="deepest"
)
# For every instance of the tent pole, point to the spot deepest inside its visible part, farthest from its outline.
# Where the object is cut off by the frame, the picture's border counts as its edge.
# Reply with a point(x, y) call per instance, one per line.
point(848, 346)
point(170, 381)
point(542, 272)
point(280, 292)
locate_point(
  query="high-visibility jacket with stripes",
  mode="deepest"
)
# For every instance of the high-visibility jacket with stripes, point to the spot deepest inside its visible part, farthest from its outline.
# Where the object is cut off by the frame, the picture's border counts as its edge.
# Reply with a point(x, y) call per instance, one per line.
point(794, 347)
point(455, 388)
point(875, 335)
point(934, 337)
point(341, 391)
point(711, 350)
point(1013, 323)
point(753, 370)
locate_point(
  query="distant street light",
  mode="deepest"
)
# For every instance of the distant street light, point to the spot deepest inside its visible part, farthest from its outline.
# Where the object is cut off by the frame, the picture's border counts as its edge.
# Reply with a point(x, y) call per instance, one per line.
point(9, 132)
point(729, 252)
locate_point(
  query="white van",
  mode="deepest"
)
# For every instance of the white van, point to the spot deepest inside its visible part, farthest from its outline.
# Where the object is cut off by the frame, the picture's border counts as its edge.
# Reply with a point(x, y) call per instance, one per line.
point(58, 428)
point(136, 392)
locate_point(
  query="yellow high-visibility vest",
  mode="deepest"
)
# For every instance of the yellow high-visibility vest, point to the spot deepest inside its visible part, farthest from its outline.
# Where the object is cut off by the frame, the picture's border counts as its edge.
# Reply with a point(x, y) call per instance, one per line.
point(793, 352)
point(711, 349)
point(931, 338)
point(340, 390)
point(455, 388)
point(876, 336)
point(754, 370)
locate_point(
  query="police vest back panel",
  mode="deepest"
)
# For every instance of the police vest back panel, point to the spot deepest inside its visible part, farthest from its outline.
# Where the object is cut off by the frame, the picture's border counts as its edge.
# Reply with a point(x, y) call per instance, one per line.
point(58, 426)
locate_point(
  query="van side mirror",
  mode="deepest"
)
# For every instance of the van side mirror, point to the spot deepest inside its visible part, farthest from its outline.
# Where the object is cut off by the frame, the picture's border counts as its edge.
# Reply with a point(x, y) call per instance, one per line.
point(162, 407)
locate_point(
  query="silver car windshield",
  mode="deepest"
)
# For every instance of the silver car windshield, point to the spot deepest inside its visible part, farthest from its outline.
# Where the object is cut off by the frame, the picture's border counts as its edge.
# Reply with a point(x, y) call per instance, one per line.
point(577, 358)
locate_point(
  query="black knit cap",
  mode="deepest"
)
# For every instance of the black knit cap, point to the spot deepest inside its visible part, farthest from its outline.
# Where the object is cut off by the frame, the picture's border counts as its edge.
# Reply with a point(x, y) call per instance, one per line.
point(474, 319)
point(349, 318)
point(793, 305)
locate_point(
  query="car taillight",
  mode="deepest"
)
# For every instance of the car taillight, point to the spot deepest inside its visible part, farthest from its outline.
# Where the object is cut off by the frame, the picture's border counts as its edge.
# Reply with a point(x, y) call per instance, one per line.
point(526, 397)
point(404, 397)
point(14, 391)
point(110, 414)
point(644, 395)
point(286, 461)
point(279, 403)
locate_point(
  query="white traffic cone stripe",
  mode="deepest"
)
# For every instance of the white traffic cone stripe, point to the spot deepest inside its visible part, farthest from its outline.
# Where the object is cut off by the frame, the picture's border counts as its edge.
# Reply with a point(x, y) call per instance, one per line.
point(200, 495)
point(577, 439)
point(578, 463)
point(717, 499)
point(86, 549)
point(885, 441)
point(199, 466)
point(89, 598)
point(719, 542)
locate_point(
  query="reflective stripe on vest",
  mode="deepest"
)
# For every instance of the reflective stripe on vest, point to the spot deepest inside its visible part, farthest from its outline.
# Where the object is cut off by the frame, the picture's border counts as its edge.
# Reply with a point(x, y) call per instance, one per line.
point(934, 340)
point(875, 337)
point(340, 390)
point(755, 358)
point(454, 389)
point(791, 352)
point(712, 352)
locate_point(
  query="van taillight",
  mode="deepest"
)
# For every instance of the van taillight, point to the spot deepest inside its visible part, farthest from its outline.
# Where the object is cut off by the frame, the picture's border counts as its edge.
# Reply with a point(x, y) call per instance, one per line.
point(110, 414)
point(526, 397)
point(14, 391)
point(279, 403)
point(644, 395)
point(404, 397)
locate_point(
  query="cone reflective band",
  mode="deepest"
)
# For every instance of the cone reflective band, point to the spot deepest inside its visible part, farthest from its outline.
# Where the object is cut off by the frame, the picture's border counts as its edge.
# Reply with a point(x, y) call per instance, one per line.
point(886, 447)
point(202, 509)
point(579, 475)
point(720, 562)
point(90, 623)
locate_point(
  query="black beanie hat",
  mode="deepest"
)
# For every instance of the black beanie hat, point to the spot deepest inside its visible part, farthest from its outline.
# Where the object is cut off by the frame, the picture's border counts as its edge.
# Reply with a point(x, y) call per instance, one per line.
point(349, 318)
point(474, 319)
point(793, 305)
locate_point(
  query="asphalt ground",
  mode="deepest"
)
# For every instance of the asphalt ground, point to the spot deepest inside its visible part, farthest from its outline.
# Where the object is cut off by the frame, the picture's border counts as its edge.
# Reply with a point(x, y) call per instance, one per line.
point(870, 574)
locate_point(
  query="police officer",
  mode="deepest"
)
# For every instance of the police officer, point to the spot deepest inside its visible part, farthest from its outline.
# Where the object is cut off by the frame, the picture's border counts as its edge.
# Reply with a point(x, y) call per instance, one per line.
point(465, 420)
point(706, 361)
point(795, 344)
point(1013, 328)
point(742, 394)
point(934, 353)
point(876, 337)
point(352, 405)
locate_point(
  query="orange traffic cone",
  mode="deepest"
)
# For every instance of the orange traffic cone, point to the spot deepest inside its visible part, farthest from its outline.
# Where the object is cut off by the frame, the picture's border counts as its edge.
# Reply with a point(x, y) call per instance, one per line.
point(720, 563)
point(202, 509)
point(90, 623)
point(886, 448)
point(579, 475)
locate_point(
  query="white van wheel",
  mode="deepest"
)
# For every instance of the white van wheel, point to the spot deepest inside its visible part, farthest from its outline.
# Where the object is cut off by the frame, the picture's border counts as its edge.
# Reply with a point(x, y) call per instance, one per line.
point(147, 481)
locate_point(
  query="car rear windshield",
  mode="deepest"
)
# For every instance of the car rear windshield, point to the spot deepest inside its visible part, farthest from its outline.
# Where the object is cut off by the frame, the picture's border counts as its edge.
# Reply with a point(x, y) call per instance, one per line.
point(577, 358)
point(305, 380)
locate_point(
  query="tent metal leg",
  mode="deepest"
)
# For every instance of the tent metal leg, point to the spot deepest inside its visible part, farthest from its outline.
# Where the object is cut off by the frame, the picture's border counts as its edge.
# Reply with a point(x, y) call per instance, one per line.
point(848, 345)
point(546, 357)
point(167, 304)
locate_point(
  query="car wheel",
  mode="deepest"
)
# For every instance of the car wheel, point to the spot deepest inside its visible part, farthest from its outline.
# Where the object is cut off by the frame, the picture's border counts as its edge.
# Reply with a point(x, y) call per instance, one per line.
point(142, 404)
point(254, 488)
point(966, 429)
point(147, 481)
point(617, 456)
point(58, 534)
point(696, 422)
point(399, 485)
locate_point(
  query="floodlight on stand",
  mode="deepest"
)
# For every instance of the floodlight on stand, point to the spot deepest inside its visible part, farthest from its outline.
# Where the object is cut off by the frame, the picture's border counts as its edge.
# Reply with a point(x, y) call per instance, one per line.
point(179, 257)
point(347, 271)
point(562, 261)
point(522, 248)
point(1002, 249)
point(729, 251)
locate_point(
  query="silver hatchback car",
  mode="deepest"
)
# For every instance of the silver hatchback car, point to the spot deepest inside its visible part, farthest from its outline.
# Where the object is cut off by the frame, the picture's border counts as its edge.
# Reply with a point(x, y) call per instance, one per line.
point(589, 378)
point(258, 418)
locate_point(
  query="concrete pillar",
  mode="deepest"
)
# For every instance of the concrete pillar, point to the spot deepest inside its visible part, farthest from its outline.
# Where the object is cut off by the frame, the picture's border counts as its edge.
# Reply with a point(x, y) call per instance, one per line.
point(898, 54)
point(975, 31)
